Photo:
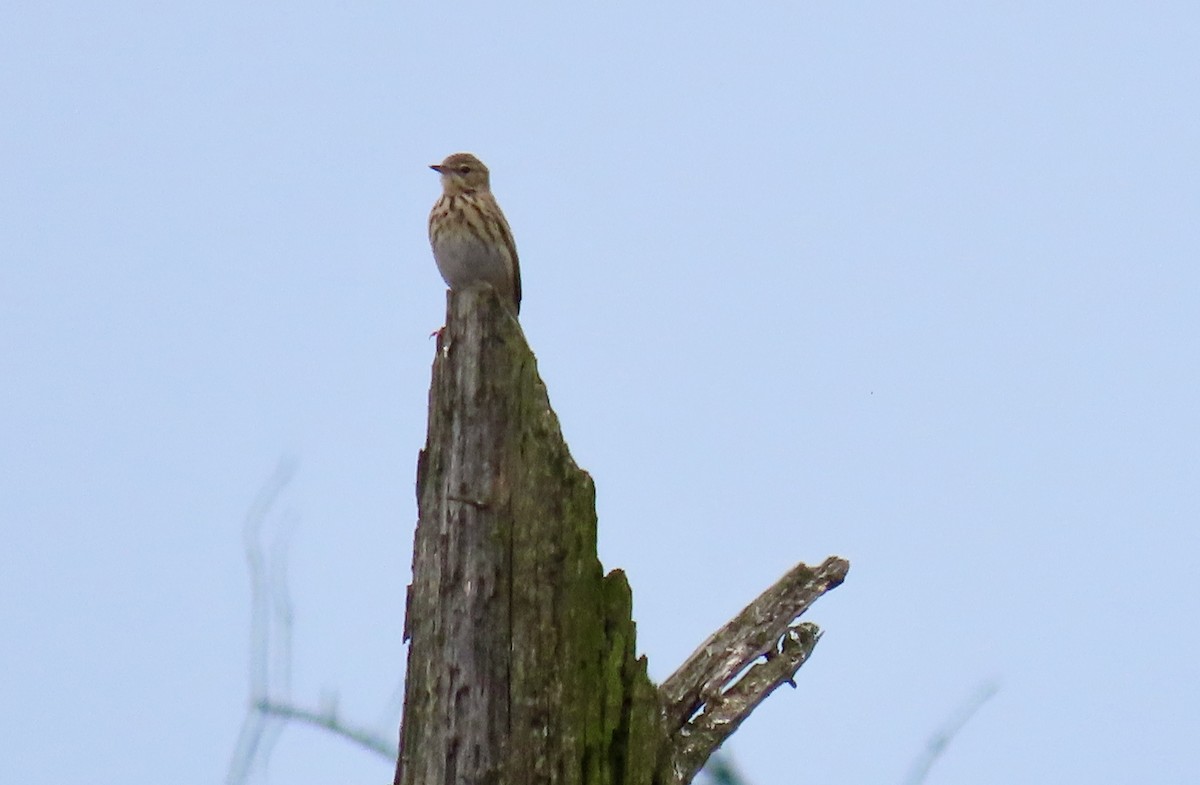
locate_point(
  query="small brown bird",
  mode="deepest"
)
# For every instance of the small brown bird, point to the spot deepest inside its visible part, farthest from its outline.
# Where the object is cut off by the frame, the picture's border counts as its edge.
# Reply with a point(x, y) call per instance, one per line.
point(471, 240)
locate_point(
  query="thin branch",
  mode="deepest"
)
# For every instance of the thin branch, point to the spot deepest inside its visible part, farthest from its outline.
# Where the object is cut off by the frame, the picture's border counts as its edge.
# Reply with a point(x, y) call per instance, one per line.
point(282, 614)
point(255, 724)
point(697, 740)
point(938, 743)
point(328, 720)
point(279, 625)
point(760, 628)
point(271, 624)
point(717, 688)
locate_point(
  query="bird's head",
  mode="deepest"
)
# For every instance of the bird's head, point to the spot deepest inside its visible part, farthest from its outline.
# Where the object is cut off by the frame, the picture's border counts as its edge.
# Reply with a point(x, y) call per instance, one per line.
point(462, 173)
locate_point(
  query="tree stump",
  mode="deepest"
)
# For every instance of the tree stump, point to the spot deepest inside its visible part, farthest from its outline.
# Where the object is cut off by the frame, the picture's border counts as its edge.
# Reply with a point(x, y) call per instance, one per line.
point(522, 667)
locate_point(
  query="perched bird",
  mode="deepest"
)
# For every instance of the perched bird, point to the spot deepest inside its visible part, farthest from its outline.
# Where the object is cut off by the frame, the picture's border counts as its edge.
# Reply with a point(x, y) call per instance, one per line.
point(471, 240)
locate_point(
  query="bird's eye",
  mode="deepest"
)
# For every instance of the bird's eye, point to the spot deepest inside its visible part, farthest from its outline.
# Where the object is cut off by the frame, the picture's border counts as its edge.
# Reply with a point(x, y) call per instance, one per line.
point(464, 169)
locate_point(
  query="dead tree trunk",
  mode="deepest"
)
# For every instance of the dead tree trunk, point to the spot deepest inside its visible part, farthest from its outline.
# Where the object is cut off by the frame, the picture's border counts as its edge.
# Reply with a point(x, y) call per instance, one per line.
point(522, 668)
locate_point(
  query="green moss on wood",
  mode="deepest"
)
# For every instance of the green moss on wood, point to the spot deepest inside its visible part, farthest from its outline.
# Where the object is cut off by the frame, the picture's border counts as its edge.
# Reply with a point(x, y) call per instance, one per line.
point(576, 705)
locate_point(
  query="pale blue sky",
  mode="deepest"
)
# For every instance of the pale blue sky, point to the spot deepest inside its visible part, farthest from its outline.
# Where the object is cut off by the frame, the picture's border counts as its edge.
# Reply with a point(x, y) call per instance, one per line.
point(912, 284)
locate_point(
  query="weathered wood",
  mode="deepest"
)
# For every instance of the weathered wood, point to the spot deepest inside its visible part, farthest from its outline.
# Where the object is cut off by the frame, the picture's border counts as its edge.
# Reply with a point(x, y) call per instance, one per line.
point(760, 629)
point(521, 668)
point(714, 690)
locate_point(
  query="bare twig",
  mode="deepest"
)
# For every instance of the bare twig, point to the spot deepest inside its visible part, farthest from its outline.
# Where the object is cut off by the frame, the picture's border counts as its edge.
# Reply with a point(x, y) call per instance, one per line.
point(938, 742)
point(705, 700)
point(270, 706)
point(328, 720)
point(697, 740)
point(758, 629)
point(255, 724)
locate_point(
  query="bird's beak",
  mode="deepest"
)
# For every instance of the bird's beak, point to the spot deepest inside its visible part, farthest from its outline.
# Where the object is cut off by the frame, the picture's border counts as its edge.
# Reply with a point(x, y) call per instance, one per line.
point(438, 168)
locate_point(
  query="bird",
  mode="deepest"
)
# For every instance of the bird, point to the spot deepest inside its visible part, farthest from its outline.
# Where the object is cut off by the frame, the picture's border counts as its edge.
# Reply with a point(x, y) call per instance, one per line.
point(471, 239)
